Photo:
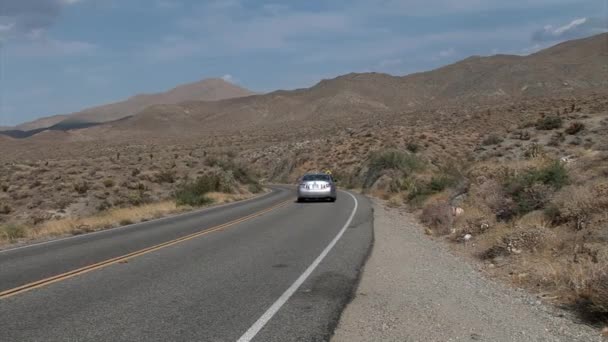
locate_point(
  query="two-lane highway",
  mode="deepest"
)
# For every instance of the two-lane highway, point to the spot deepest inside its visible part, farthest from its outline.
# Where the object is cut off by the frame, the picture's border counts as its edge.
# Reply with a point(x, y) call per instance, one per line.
point(267, 269)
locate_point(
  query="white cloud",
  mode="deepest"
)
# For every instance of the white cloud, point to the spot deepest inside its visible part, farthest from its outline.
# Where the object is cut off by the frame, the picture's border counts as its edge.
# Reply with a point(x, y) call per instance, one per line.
point(447, 53)
point(577, 28)
point(352, 29)
point(228, 78)
point(6, 27)
point(6, 31)
point(31, 15)
point(575, 23)
point(223, 28)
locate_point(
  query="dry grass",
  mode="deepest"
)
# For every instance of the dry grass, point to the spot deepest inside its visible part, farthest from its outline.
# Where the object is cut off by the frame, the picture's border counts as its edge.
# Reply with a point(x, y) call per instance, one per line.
point(221, 198)
point(104, 220)
point(111, 218)
point(438, 217)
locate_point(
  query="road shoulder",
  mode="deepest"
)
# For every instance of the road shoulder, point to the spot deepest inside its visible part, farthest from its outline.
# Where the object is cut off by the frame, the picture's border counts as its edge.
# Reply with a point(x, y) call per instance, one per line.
point(414, 289)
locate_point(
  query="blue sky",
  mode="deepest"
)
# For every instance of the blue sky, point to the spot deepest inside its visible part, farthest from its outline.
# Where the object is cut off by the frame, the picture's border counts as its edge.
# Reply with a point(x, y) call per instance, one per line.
point(60, 56)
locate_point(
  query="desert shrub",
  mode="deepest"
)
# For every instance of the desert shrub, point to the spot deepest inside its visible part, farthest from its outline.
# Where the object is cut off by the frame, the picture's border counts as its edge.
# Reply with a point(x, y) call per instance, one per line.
point(255, 188)
point(531, 198)
point(533, 151)
point(412, 147)
point(417, 191)
point(4, 187)
point(576, 204)
point(242, 173)
point(438, 217)
point(549, 122)
point(556, 139)
point(526, 124)
point(103, 205)
point(530, 189)
point(345, 179)
point(108, 183)
point(554, 174)
point(212, 161)
point(492, 194)
point(390, 160)
point(165, 176)
point(139, 197)
point(81, 187)
point(194, 193)
point(553, 214)
point(575, 127)
point(441, 182)
point(12, 232)
point(5, 209)
point(125, 222)
point(522, 135)
point(491, 139)
point(595, 294)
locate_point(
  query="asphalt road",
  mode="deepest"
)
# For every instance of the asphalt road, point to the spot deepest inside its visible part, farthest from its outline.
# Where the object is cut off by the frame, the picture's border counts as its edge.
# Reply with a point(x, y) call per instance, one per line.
point(282, 274)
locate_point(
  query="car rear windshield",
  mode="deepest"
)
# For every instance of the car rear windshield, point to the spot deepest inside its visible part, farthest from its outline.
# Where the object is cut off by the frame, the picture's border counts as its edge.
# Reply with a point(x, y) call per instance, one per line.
point(308, 178)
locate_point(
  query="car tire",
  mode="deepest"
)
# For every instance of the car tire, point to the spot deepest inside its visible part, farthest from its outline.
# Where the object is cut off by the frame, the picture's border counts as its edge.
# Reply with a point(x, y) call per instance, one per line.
point(333, 199)
point(300, 200)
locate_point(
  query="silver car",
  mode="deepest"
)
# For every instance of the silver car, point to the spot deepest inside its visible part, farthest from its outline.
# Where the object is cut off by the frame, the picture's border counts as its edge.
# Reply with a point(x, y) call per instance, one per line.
point(317, 186)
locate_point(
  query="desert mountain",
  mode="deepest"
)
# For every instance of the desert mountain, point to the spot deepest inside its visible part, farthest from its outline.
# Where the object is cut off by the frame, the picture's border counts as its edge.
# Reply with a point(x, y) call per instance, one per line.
point(568, 68)
point(205, 90)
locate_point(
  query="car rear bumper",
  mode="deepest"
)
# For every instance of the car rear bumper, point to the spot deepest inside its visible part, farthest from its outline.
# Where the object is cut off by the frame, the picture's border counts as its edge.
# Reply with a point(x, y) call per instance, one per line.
point(324, 193)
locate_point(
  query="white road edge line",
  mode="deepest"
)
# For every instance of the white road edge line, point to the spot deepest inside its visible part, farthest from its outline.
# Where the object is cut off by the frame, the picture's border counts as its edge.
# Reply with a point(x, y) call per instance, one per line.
point(276, 306)
point(133, 225)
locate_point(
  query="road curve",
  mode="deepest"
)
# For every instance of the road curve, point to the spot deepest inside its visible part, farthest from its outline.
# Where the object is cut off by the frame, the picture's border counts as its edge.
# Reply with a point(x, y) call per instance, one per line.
point(268, 269)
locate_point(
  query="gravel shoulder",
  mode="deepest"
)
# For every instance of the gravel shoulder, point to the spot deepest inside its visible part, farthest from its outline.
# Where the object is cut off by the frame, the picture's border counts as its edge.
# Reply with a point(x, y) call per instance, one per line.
point(414, 289)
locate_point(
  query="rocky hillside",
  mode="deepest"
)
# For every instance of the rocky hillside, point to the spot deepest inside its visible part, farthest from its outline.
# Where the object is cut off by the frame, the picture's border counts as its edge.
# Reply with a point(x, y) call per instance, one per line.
point(205, 90)
point(566, 69)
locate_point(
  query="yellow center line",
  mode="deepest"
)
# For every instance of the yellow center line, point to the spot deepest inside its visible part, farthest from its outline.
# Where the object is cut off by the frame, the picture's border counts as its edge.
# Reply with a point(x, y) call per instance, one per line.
point(105, 263)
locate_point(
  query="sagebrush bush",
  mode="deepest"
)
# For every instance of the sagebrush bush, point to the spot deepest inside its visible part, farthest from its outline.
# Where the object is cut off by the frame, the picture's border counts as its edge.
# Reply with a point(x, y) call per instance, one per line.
point(390, 160)
point(575, 128)
point(438, 217)
point(417, 191)
point(255, 188)
point(241, 172)
point(491, 139)
point(165, 176)
point(441, 182)
point(553, 214)
point(108, 183)
point(549, 122)
point(412, 147)
point(194, 193)
point(533, 151)
point(345, 179)
point(5, 209)
point(139, 197)
point(12, 232)
point(577, 203)
point(596, 294)
point(530, 189)
point(81, 187)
